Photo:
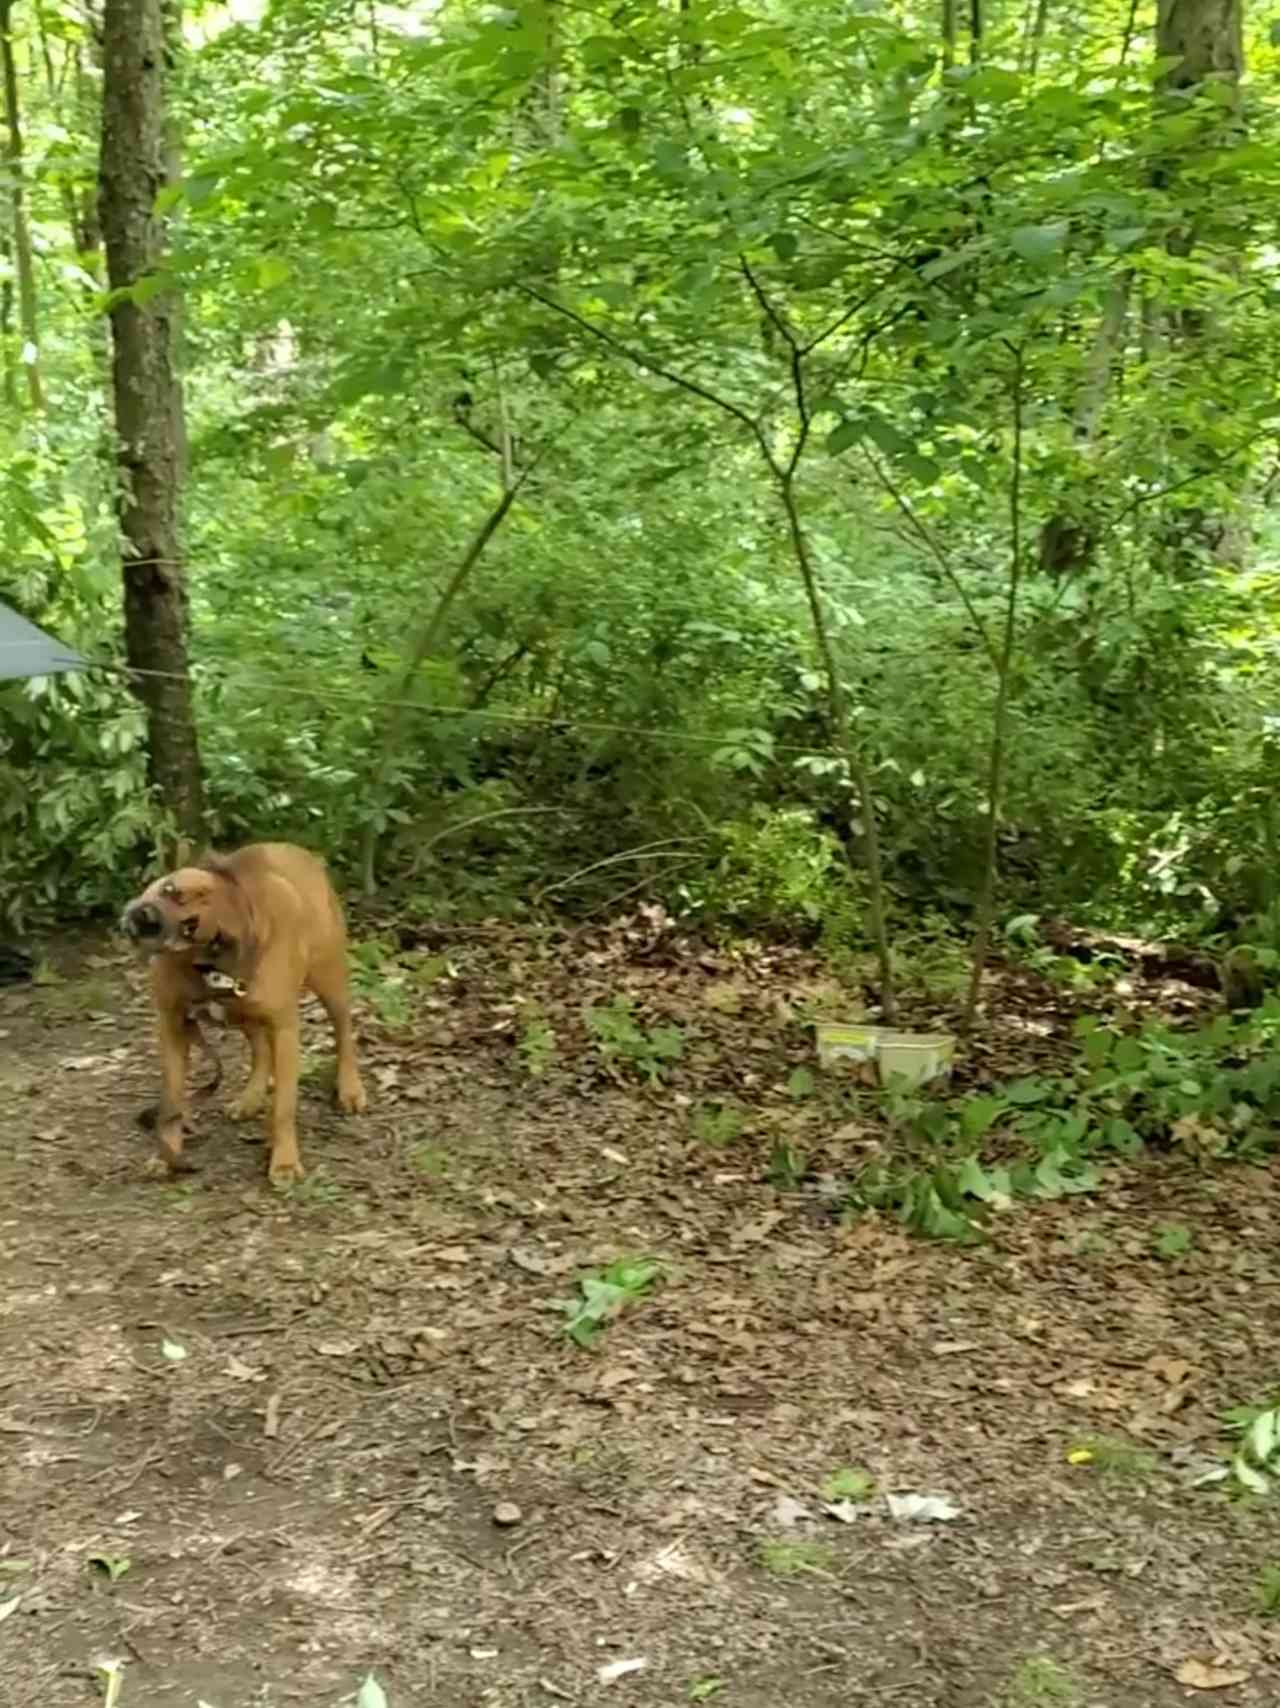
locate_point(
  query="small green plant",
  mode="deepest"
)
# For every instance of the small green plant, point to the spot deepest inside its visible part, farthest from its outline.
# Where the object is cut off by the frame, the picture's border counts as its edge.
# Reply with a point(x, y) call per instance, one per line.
point(537, 1044)
point(317, 1191)
point(703, 1689)
point(429, 1160)
point(949, 1200)
point(850, 1482)
point(109, 1566)
point(1040, 1679)
point(933, 958)
point(1112, 1457)
point(371, 1694)
point(619, 1037)
point(1267, 1591)
point(1257, 1459)
point(796, 1559)
point(801, 1084)
point(717, 1123)
point(604, 1294)
point(1172, 1241)
point(381, 982)
point(787, 1167)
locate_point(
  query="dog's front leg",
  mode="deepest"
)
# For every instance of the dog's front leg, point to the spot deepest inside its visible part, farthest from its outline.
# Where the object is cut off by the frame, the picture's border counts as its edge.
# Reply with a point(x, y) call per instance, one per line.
point(285, 1164)
point(176, 1031)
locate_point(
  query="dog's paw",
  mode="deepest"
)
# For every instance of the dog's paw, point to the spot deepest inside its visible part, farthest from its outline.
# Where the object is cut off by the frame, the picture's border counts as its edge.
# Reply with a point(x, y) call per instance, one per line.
point(286, 1171)
point(352, 1099)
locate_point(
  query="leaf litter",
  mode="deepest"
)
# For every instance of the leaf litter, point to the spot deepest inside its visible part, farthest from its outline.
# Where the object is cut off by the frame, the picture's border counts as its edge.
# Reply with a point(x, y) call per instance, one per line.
point(396, 1359)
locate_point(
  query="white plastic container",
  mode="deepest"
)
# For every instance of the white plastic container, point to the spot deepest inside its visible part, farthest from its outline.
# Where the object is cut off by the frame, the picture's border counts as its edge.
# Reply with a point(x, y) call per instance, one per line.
point(847, 1041)
point(880, 1052)
point(918, 1058)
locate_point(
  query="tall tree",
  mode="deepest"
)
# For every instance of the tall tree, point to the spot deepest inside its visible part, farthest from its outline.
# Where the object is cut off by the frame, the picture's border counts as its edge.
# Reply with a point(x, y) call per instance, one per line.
point(136, 149)
point(22, 256)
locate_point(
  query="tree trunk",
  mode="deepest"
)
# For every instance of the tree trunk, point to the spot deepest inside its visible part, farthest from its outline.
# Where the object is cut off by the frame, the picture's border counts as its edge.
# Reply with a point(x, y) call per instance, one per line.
point(23, 261)
point(842, 741)
point(8, 380)
point(148, 401)
point(998, 754)
point(1206, 37)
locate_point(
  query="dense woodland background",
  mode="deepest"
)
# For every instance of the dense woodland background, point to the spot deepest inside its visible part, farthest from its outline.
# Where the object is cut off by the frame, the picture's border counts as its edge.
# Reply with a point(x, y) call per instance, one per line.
point(551, 370)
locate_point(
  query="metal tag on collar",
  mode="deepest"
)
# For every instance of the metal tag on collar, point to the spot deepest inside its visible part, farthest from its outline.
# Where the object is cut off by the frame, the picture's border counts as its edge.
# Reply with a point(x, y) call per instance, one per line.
point(224, 984)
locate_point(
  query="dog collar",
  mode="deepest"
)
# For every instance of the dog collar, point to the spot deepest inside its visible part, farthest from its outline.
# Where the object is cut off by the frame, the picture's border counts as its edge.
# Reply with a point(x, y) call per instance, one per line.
point(222, 984)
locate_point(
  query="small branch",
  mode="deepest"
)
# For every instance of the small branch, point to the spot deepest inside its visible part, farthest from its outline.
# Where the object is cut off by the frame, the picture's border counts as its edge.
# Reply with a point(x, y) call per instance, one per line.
point(926, 538)
point(646, 850)
point(640, 360)
point(425, 848)
point(784, 331)
point(844, 318)
point(1000, 719)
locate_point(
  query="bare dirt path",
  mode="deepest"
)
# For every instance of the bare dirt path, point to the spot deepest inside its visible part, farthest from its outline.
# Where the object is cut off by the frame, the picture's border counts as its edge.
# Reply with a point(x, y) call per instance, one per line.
point(252, 1446)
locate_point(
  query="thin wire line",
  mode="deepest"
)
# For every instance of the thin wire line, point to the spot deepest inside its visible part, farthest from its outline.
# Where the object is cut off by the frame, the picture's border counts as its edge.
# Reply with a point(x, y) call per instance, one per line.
point(331, 696)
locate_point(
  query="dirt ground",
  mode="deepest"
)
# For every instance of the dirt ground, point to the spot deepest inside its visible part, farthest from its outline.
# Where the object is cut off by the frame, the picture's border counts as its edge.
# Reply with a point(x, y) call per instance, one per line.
point(257, 1446)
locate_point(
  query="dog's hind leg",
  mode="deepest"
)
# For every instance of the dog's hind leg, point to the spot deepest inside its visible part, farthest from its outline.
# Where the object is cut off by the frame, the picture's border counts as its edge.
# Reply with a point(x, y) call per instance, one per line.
point(328, 979)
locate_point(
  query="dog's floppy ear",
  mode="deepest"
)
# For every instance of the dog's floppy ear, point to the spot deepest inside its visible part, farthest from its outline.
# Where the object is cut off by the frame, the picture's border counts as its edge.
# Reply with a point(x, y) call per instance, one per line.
point(234, 917)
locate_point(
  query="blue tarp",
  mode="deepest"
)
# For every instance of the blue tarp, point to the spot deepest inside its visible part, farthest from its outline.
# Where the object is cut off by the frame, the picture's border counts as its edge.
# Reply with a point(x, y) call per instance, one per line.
point(26, 650)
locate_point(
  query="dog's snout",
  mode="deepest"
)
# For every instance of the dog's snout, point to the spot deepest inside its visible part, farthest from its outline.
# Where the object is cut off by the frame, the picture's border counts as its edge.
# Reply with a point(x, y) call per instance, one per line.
point(142, 920)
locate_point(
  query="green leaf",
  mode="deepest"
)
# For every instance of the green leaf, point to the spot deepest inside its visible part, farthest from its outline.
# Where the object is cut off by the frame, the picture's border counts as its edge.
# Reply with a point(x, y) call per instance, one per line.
point(784, 244)
point(1039, 243)
point(272, 270)
point(110, 1566)
point(669, 158)
point(884, 434)
point(1264, 1436)
point(371, 1694)
point(978, 1114)
point(702, 1688)
point(800, 1083)
point(173, 1351)
point(1253, 1480)
point(199, 186)
point(924, 469)
point(1173, 1242)
point(840, 438)
point(851, 1482)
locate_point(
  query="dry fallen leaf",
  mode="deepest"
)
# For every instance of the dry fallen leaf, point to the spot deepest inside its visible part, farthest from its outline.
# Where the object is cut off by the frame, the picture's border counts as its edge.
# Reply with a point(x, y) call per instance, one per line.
point(788, 1510)
point(618, 1669)
point(1203, 1674)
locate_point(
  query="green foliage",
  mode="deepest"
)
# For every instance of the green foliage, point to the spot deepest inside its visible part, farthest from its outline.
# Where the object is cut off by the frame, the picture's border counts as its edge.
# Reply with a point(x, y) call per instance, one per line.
point(848, 1483)
point(1040, 1679)
point(620, 1038)
point(1266, 1591)
point(537, 1044)
point(716, 1124)
point(1214, 1090)
point(777, 868)
point(1257, 1458)
point(836, 248)
point(604, 1294)
point(797, 1559)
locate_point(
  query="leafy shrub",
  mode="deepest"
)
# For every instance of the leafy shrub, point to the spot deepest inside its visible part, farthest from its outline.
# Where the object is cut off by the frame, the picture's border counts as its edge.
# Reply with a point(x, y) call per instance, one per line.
point(776, 868)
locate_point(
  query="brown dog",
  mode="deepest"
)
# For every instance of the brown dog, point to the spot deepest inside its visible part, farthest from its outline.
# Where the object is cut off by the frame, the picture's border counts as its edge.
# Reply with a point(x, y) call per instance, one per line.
point(252, 929)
